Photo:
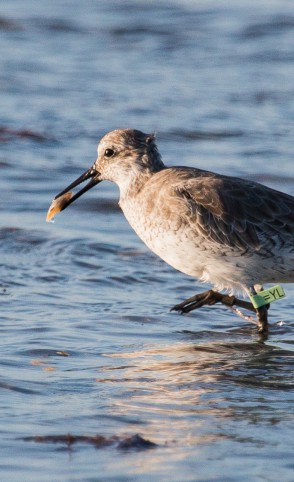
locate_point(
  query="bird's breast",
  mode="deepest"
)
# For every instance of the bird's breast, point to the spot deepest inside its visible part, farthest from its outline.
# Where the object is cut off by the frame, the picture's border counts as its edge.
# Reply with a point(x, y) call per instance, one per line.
point(168, 236)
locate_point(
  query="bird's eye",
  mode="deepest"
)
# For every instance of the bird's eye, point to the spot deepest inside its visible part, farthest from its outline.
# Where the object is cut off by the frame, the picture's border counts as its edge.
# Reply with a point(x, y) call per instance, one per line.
point(108, 152)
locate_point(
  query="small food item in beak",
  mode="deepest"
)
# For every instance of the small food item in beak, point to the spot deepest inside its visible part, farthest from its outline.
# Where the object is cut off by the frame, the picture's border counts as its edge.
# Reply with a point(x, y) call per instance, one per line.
point(57, 205)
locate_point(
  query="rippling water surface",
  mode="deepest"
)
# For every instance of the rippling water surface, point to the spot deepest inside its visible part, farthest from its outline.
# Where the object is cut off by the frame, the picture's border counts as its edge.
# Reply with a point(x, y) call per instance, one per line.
point(99, 381)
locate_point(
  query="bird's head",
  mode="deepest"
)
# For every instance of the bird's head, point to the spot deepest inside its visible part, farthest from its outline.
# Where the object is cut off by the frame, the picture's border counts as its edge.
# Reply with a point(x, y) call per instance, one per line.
point(124, 156)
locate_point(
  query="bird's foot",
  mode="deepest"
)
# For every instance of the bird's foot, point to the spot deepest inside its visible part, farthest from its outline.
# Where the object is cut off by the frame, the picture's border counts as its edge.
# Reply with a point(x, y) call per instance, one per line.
point(212, 297)
point(209, 297)
point(242, 315)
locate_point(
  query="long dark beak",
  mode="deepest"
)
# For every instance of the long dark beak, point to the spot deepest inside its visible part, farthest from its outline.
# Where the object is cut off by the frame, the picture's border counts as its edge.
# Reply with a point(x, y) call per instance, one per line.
point(66, 197)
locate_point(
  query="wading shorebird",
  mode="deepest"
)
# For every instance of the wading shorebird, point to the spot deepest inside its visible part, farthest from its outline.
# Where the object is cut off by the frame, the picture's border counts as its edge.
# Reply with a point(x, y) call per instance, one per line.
point(233, 233)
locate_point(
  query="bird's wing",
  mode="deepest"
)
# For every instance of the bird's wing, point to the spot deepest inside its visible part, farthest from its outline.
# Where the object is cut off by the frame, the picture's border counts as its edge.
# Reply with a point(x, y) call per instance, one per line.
point(236, 212)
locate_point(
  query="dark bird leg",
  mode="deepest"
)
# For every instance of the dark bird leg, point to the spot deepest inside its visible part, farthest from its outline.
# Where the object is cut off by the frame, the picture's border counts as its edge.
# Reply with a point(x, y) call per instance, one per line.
point(211, 297)
point(262, 322)
point(261, 312)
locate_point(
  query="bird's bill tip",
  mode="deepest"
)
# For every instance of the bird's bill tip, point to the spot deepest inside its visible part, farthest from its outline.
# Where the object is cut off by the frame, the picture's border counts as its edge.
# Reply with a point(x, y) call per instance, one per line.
point(57, 205)
point(66, 197)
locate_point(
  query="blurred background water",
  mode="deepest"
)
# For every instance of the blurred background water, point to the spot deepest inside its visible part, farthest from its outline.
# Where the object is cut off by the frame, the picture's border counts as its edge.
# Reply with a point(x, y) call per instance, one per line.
point(88, 345)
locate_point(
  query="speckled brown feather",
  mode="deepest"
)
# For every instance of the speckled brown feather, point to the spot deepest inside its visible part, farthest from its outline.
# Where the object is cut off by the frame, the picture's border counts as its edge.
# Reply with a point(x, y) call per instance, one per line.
point(230, 211)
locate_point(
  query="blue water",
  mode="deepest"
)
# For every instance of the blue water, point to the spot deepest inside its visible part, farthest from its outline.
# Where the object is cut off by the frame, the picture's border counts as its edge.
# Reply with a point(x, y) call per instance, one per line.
point(88, 345)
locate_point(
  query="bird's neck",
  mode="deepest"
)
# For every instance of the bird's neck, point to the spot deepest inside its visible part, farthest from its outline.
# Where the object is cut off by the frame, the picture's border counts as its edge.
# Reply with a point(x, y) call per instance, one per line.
point(135, 179)
point(131, 187)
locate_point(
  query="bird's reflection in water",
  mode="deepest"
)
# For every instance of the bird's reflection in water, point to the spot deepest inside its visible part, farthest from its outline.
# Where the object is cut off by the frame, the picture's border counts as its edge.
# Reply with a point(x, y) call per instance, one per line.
point(196, 393)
